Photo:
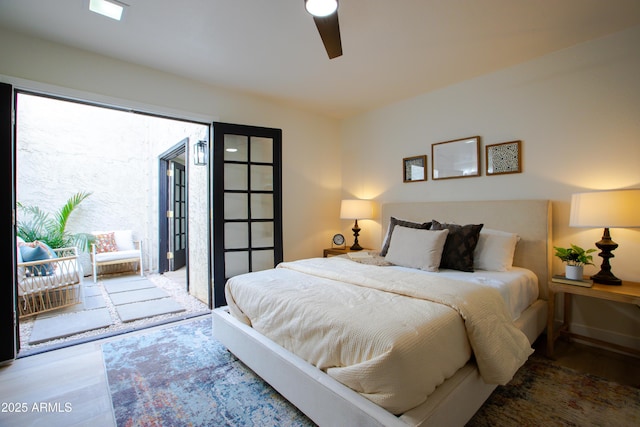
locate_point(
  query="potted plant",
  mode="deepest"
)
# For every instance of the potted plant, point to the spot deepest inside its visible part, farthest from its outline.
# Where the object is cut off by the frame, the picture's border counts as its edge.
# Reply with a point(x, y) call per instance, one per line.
point(575, 259)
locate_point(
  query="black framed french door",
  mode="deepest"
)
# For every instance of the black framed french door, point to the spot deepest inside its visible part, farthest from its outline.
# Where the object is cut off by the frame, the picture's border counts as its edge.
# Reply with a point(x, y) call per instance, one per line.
point(172, 208)
point(178, 224)
point(8, 307)
point(247, 202)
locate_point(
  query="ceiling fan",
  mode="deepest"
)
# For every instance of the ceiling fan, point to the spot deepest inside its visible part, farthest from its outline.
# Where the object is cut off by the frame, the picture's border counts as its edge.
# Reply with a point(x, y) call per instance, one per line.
point(325, 15)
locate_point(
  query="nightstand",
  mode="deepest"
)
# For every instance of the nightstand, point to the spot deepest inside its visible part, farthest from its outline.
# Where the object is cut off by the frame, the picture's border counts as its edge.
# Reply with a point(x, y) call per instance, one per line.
point(628, 292)
point(340, 251)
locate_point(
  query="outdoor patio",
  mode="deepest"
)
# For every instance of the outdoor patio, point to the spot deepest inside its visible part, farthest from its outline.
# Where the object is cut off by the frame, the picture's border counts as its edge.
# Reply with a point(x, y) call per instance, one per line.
point(115, 304)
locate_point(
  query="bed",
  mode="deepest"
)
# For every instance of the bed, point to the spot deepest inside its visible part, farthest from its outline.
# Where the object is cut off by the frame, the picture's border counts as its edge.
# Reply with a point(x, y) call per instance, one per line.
point(321, 393)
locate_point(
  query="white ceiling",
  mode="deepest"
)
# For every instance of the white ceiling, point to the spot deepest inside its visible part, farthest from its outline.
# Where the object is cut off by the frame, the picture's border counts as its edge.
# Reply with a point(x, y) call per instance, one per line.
point(393, 49)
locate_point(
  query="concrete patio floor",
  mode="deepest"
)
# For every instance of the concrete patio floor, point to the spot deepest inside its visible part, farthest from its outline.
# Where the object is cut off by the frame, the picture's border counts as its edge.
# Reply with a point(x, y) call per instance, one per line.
point(115, 304)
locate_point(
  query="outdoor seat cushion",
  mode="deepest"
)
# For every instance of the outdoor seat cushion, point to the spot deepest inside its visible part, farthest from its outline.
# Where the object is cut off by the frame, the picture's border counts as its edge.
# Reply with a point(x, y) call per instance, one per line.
point(37, 253)
point(118, 255)
point(124, 239)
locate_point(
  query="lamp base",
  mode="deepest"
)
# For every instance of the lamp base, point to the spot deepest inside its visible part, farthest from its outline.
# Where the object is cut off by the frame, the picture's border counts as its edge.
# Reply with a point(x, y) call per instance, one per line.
point(605, 276)
point(356, 231)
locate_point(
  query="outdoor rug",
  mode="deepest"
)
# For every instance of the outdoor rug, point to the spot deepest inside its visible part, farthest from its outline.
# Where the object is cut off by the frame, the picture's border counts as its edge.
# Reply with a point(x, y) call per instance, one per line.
point(182, 376)
point(545, 394)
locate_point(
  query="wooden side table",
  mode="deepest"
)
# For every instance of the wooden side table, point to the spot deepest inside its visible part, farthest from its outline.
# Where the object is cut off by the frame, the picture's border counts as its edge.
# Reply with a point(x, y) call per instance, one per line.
point(340, 251)
point(628, 292)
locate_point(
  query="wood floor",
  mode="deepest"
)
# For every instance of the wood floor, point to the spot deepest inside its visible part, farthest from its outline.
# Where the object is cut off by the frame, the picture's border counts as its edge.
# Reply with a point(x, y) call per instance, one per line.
point(620, 368)
point(68, 386)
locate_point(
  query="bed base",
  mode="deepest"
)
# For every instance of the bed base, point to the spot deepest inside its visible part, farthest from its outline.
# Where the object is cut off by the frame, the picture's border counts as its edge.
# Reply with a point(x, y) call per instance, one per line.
point(329, 403)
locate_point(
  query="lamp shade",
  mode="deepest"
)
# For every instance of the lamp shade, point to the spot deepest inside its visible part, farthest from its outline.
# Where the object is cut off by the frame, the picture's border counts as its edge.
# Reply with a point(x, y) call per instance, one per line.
point(608, 209)
point(356, 209)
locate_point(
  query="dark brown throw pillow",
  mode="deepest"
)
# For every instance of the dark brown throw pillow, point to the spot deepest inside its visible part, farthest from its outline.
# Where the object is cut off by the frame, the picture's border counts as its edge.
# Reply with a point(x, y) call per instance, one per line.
point(460, 244)
point(395, 221)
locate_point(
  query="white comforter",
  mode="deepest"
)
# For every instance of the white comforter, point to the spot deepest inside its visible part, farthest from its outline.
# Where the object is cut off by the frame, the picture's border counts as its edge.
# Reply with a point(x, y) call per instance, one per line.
point(391, 335)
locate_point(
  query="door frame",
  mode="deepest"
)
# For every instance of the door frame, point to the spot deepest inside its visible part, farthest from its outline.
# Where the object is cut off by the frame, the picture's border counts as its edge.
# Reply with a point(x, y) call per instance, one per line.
point(9, 345)
point(9, 321)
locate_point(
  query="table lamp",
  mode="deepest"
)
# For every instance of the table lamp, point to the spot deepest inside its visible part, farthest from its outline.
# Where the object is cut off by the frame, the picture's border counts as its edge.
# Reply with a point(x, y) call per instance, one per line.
point(356, 209)
point(608, 209)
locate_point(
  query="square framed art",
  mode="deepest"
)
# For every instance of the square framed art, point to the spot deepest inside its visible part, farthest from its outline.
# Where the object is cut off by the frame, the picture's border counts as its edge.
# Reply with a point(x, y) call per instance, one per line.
point(504, 158)
point(414, 168)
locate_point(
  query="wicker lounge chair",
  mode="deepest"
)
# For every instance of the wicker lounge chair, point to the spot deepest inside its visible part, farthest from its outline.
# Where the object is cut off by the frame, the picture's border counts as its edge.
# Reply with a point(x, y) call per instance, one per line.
point(48, 284)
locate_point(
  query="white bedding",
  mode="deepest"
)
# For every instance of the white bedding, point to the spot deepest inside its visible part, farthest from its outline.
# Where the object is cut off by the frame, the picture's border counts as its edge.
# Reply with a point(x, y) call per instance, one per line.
point(518, 286)
point(396, 346)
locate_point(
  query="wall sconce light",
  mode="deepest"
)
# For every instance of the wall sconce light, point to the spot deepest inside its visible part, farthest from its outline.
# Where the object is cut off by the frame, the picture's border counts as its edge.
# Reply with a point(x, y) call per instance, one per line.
point(200, 153)
point(607, 209)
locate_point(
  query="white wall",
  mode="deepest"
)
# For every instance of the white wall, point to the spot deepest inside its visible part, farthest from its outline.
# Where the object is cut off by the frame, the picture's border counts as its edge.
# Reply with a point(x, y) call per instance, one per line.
point(311, 189)
point(577, 114)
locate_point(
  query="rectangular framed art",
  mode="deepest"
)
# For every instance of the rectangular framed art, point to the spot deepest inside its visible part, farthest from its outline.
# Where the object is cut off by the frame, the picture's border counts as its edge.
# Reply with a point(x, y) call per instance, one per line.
point(414, 168)
point(459, 158)
point(504, 158)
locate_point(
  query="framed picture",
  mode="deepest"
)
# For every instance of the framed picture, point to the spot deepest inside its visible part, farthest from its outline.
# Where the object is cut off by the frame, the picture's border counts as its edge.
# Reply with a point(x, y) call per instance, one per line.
point(504, 158)
point(459, 158)
point(414, 168)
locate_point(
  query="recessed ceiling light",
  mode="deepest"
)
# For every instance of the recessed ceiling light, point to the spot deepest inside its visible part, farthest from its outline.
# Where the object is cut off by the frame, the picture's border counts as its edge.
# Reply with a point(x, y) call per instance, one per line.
point(109, 8)
point(231, 150)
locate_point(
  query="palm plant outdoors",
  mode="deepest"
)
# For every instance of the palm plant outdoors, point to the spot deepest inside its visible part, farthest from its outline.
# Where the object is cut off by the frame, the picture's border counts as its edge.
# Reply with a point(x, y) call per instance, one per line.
point(51, 229)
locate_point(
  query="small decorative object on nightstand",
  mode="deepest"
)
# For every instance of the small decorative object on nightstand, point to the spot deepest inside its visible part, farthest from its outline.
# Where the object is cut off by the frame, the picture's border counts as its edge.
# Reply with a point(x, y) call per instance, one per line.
point(561, 278)
point(338, 242)
point(575, 258)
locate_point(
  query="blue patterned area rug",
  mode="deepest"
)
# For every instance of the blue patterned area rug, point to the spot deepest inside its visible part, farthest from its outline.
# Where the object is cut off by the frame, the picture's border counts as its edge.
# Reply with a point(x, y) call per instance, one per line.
point(182, 376)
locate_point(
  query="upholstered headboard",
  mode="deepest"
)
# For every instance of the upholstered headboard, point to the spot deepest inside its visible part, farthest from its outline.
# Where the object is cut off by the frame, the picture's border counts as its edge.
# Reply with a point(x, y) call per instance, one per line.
point(530, 219)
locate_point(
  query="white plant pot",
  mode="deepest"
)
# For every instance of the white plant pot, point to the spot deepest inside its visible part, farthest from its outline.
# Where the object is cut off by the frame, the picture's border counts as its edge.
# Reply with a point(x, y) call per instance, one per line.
point(574, 272)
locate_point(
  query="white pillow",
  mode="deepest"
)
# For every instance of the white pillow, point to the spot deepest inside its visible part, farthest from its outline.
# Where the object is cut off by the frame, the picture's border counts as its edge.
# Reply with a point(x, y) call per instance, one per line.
point(123, 238)
point(415, 248)
point(495, 250)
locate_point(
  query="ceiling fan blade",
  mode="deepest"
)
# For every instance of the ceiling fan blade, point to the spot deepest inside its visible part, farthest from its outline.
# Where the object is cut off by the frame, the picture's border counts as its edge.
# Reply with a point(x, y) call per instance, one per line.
point(329, 30)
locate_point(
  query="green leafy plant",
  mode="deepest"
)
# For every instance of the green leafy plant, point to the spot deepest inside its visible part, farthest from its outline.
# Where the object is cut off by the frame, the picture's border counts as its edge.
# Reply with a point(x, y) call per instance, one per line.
point(51, 229)
point(575, 255)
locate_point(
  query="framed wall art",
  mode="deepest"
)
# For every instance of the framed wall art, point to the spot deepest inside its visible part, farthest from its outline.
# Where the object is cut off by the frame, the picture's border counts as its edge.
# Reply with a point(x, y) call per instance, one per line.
point(504, 158)
point(459, 158)
point(414, 168)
